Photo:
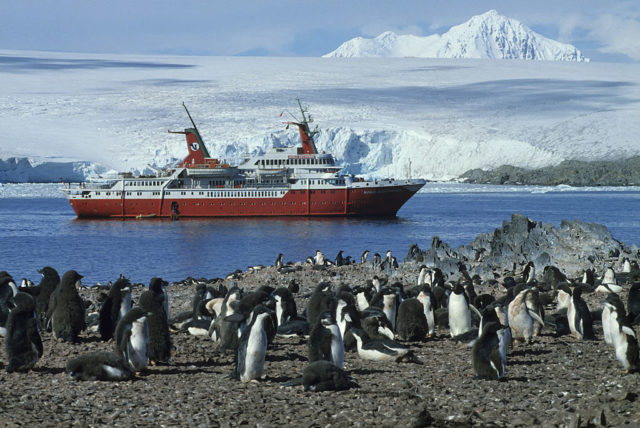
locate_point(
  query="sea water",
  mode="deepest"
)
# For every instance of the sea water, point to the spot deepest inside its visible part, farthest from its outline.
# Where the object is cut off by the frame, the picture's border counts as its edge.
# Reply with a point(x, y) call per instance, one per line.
point(43, 230)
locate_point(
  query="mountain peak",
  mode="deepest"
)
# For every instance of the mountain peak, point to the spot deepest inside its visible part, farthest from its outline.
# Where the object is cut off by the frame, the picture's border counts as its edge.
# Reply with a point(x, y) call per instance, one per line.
point(489, 35)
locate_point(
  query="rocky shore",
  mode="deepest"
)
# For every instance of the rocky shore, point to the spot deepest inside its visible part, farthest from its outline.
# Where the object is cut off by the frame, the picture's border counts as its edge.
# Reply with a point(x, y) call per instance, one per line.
point(557, 380)
point(624, 172)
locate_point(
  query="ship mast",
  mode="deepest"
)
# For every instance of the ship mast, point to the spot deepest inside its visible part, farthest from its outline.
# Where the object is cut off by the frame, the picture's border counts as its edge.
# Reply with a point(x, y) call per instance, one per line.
point(306, 134)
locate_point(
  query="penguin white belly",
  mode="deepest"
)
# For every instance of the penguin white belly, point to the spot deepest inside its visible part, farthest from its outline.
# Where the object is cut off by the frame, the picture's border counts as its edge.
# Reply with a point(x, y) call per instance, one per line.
point(361, 301)
point(254, 357)
point(125, 306)
point(337, 346)
point(621, 351)
point(429, 315)
point(389, 309)
point(571, 317)
point(606, 325)
point(138, 343)
point(279, 311)
point(459, 315)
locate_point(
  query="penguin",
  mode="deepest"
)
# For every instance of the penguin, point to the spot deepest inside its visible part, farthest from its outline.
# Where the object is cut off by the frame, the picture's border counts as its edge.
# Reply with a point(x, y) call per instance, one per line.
point(388, 301)
point(319, 258)
point(339, 259)
point(152, 301)
point(626, 265)
point(363, 297)
point(633, 303)
point(132, 338)
point(23, 344)
point(428, 304)
point(325, 341)
point(376, 261)
point(608, 288)
point(521, 319)
point(532, 301)
point(252, 347)
point(424, 276)
point(459, 312)
point(364, 256)
point(66, 312)
point(578, 315)
point(411, 321)
point(279, 262)
point(105, 366)
point(529, 273)
point(285, 306)
point(378, 349)
point(47, 285)
point(609, 276)
point(612, 308)
point(323, 375)
point(224, 330)
point(489, 357)
point(6, 302)
point(376, 325)
point(625, 341)
point(588, 277)
point(322, 299)
point(114, 307)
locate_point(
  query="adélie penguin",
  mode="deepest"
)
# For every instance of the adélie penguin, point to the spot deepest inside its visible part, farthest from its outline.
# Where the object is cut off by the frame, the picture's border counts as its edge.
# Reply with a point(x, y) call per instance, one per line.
point(489, 357)
point(381, 349)
point(114, 307)
point(132, 338)
point(6, 301)
point(578, 315)
point(459, 312)
point(325, 341)
point(252, 347)
point(622, 335)
point(66, 312)
point(99, 366)
point(23, 344)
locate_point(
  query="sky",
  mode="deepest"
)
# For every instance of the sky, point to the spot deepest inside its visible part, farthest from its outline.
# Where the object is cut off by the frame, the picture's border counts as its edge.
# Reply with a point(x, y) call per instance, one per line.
point(602, 30)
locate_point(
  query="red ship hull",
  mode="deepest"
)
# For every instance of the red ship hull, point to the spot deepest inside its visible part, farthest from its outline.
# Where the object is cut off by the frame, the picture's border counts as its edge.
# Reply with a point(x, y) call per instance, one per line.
point(376, 201)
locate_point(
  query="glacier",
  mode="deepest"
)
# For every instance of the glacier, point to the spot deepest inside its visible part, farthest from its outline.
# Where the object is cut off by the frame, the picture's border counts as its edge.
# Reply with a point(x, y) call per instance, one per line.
point(71, 115)
point(489, 35)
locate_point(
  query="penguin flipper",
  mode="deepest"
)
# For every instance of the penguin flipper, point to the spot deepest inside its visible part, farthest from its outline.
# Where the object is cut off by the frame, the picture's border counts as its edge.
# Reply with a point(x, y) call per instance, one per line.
point(294, 382)
point(34, 336)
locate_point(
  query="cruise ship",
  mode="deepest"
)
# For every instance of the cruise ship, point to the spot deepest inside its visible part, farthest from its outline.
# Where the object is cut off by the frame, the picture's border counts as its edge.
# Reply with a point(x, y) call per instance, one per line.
point(285, 181)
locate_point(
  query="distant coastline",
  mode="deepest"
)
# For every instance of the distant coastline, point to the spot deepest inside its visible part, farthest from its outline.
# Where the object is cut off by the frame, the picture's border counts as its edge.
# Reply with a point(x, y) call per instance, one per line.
point(625, 172)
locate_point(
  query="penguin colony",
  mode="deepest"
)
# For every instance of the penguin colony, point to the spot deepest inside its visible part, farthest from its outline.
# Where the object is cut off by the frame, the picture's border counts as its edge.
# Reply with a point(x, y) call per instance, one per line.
point(340, 322)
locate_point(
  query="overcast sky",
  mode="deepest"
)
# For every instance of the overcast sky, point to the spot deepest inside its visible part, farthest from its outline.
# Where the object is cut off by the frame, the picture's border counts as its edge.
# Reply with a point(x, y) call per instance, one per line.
point(605, 30)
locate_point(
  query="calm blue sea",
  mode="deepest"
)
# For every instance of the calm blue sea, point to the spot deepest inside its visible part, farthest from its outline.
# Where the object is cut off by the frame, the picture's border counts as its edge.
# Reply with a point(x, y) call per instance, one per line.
point(35, 232)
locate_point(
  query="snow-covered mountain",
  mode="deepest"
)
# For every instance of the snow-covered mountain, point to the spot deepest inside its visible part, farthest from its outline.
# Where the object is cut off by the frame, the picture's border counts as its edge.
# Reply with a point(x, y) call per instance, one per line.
point(489, 35)
point(68, 115)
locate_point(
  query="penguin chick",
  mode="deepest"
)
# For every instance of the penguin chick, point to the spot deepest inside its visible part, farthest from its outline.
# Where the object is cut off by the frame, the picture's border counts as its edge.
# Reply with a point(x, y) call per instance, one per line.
point(23, 344)
point(66, 309)
point(114, 307)
point(488, 361)
point(99, 366)
point(153, 302)
point(324, 376)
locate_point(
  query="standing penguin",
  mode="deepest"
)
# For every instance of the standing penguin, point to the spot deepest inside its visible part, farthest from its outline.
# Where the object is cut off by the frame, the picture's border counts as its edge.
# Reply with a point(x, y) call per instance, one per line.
point(429, 304)
point(286, 308)
point(622, 336)
point(459, 313)
point(23, 344)
point(325, 341)
point(363, 257)
point(153, 301)
point(66, 309)
point(47, 285)
point(579, 317)
point(612, 304)
point(114, 307)
point(521, 319)
point(132, 338)
point(252, 347)
point(488, 358)
point(6, 301)
point(279, 261)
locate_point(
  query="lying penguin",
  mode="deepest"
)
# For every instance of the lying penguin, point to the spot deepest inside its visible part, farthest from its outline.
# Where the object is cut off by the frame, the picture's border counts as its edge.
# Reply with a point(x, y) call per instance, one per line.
point(381, 349)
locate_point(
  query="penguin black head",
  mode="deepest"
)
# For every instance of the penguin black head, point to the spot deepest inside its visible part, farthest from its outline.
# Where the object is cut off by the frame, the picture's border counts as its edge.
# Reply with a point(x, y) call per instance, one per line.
point(323, 286)
point(156, 284)
point(24, 301)
point(458, 289)
point(120, 284)
point(71, 279)
point(293, 286)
